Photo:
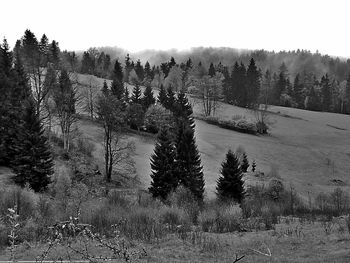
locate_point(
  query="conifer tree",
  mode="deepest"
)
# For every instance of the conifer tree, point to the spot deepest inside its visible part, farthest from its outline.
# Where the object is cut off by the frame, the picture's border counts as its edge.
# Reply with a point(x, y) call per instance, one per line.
point(298, 92)
point(126, 95)
point(127, 68)
point(170, 99)
point(105, 89)
point(347, 95)
point(183, 111)
point(139, 71)
point(230, 185)
point(252, 84)
point(162, 96)
point(117, 86)
point(33, 163)
point(148, 98)
point(253, 166)
point(211, 71)
point(244, 163)
point(136, 95)
point(188, 162)
point(326, 93)
point(163, 174)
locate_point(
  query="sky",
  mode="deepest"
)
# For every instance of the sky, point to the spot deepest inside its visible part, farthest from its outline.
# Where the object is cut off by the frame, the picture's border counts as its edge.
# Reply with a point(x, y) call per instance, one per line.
point(136, 25)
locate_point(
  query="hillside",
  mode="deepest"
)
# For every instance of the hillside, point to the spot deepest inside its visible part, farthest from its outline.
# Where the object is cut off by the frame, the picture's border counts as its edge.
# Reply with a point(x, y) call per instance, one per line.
point(309, 149)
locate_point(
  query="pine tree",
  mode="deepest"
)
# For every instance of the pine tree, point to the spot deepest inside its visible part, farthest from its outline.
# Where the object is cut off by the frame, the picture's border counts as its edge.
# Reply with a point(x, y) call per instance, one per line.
point(127, 68)
point(33, 163)
point(139, 71)
point(54, 56)
point(126, 95)
point(183, 111)
point(136, 95)
point(148, 98)
point(105, 89)
point(117, 86)
point(253, 166)
point(163, 174)
point(244, 163)
point(326, 93)
point(298, 92)
point(252, 84)
point(44, 50)
point(230, 185)
point(170, 99)
point(188, 163)
point(347, 95)
point(162, 96)
point(211, 71)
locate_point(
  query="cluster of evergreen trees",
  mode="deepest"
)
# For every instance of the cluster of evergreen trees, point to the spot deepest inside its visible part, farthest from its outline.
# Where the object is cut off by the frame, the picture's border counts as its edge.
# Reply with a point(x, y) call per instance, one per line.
point(23, 145)
point(176, 160)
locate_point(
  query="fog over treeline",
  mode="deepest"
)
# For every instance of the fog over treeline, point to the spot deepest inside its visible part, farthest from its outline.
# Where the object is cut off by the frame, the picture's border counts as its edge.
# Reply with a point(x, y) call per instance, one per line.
point(296, 61)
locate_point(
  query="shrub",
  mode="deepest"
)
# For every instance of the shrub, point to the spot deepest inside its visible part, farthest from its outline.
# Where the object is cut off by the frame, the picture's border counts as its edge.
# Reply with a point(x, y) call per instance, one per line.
point(84, 146)
point(183, 198)
point(142, 224)
point(221, 219)
point(174, 217)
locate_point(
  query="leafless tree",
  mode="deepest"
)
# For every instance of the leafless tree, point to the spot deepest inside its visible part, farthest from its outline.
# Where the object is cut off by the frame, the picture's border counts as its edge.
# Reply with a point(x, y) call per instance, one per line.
point(112, 116)
point(209, 90)
point(89, 95)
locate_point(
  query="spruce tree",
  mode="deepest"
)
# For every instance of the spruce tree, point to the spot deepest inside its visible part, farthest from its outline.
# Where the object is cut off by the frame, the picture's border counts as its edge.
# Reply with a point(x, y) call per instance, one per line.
point(183, 111)
point(117, 86)
point(252, 84)
point(298, 92)
point(136, 95)
point(163, 176)
point(170, 99)
point(211, 71)
point(244, 163)
point(326, 93)
point(139, 71)
point(162, 96)
point(33, 163)
point(188, 162)
point(126, 95)
point(253, 166)
point(105, 89)
point(230, 185)
point(148, 98)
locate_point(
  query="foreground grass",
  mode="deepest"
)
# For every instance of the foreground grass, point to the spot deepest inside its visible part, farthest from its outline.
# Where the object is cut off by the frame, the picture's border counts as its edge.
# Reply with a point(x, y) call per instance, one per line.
point(297, 242)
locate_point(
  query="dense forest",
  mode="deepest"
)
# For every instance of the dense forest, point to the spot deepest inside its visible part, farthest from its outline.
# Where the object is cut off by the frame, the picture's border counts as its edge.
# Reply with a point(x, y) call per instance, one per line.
point(299, 79)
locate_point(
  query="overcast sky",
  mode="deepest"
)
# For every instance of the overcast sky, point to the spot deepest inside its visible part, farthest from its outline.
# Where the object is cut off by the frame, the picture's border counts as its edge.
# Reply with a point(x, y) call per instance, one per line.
point(163, 24)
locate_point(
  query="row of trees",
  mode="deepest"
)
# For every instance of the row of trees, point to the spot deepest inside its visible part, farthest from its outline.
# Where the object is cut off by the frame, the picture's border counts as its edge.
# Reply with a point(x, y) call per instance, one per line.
point(245, 86)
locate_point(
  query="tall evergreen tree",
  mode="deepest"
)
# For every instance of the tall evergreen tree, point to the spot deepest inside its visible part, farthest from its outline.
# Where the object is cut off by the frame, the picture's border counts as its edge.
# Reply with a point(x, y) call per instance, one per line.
point(211, 71)
point(126, 95)
point(162, 96)
point(183, 111)
point(117, 86)
point(163, 174)
point(139, 70)
point(188, 163)
point(252, 84)
point(105, 89)
point(244, 163)
point(298, 92)
point(326, 93)
point(148, 98)
point(33, 163)
point(127, 68)
point(136, 95)
point(170, 99)
point(230, 185)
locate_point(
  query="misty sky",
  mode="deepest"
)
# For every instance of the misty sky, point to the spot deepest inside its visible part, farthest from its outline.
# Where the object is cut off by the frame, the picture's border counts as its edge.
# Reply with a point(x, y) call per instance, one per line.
point(163, 24)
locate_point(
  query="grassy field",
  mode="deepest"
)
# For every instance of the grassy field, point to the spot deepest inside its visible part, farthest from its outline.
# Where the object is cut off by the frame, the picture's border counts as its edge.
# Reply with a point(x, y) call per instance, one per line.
point(309, 149)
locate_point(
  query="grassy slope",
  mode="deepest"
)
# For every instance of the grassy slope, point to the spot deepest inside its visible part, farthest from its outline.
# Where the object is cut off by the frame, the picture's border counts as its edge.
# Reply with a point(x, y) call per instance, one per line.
point(302, 144)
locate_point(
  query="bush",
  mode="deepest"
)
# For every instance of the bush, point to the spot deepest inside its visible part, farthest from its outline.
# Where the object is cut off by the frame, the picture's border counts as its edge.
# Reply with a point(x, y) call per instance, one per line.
point(183, 198)
point(221, 219)
point(174, 217)
point(142, 224)
point(84, 146)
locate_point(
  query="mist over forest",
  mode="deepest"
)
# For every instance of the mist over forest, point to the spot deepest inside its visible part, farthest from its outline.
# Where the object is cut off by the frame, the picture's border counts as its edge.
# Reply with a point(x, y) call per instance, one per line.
point(297, 61)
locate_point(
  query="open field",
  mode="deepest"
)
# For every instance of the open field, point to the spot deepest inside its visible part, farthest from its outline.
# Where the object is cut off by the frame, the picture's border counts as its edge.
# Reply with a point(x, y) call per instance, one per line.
point(310, 149)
